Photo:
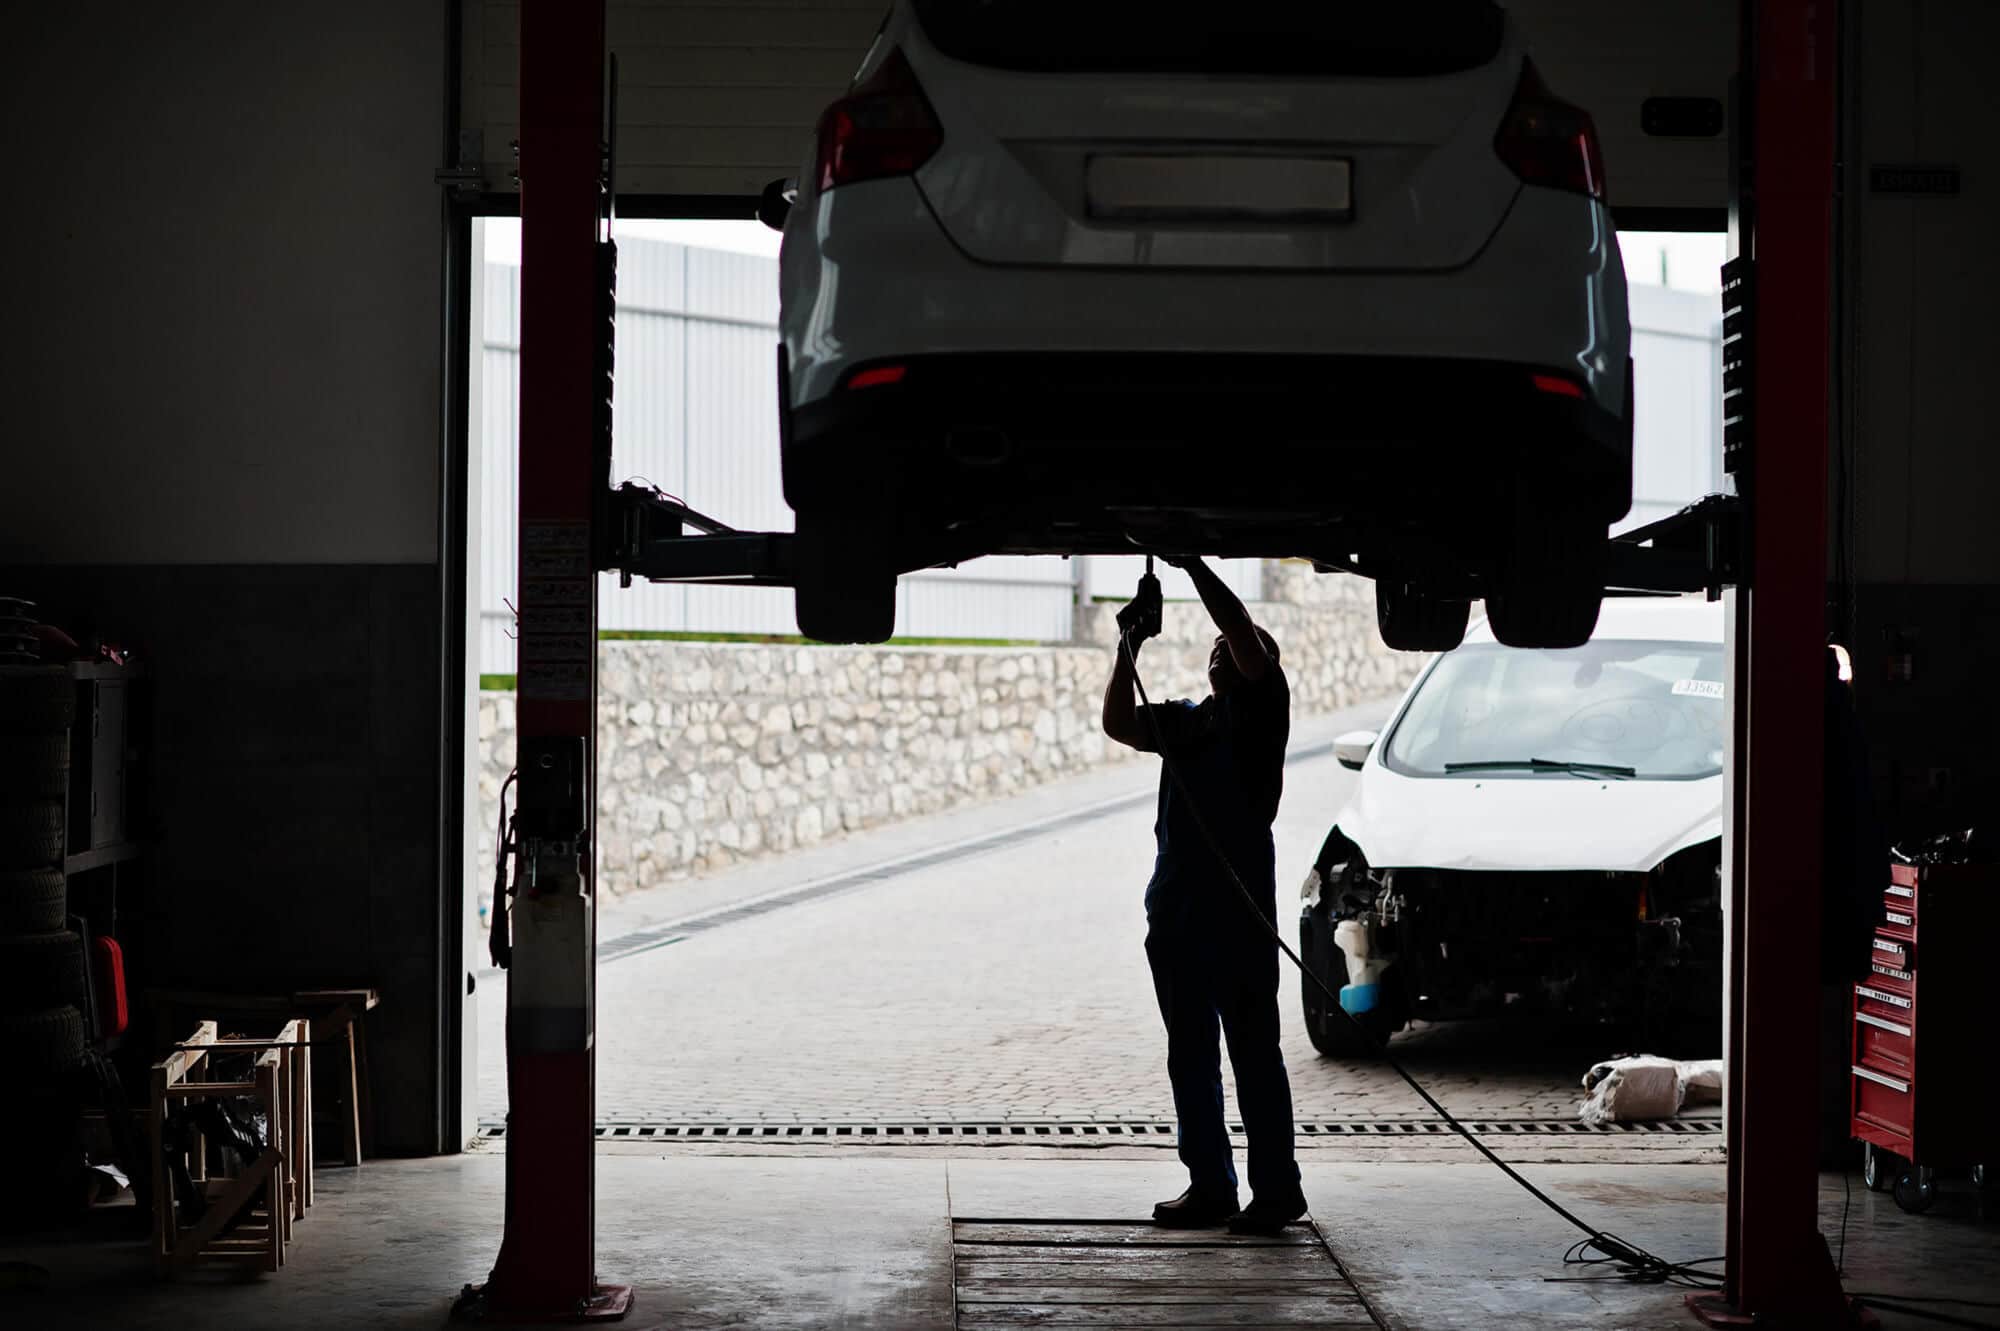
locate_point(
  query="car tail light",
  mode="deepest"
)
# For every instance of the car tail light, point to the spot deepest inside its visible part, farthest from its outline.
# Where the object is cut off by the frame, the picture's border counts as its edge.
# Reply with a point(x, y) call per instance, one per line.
point(884, 127)
point(1546, 141)
point(1556, 384)
point(878, 376)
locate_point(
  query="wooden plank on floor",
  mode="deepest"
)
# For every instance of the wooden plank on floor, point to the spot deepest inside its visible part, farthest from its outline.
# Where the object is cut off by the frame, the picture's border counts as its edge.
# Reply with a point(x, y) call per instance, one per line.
point(1334, 1291)
point(1244, 1313)
point(1287, 1255)
point(1125, 1232)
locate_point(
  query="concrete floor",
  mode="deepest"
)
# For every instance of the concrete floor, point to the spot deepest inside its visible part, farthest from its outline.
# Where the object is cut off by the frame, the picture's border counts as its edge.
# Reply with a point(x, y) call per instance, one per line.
point(863, 1241)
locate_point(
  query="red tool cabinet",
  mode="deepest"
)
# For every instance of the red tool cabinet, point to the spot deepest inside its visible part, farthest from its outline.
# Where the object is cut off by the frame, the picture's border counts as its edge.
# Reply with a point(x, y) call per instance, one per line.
point(1926, 1031)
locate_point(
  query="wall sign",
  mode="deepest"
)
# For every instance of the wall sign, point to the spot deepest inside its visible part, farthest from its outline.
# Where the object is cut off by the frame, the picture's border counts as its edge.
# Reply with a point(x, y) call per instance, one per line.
point(1913, 179)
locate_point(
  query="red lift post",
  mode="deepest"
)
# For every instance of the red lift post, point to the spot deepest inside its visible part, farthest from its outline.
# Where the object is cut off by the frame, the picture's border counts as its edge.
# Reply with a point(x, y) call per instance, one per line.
point(1779, 1272)
point(547, 1265)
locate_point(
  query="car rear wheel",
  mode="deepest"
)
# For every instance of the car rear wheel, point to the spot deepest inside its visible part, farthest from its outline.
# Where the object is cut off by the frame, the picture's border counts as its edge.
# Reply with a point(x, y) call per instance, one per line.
point(844, 588)
point(1412, 620)
point(1550, 583)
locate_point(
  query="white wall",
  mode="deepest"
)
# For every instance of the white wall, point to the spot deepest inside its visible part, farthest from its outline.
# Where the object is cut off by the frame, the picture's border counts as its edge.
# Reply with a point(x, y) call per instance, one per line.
point(183, 384)
point(1677, 425)
point(696, 415)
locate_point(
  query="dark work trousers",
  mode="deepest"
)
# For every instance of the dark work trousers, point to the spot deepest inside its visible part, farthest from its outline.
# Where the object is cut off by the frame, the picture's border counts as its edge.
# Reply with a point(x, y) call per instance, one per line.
point(1225, 981)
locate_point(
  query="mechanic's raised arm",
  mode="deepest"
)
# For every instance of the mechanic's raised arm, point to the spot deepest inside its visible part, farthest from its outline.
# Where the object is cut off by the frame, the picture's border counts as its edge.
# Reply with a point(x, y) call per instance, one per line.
point(1231, 619)
point(1121, 709)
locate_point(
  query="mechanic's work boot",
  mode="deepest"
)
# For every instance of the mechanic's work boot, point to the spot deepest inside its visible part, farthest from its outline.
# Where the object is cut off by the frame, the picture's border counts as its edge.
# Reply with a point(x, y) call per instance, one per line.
point(1268, 1218)
point(1195, 1210)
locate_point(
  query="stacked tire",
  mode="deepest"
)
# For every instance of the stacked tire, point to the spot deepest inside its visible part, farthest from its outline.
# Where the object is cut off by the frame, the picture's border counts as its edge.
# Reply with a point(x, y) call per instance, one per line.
point(42, 977)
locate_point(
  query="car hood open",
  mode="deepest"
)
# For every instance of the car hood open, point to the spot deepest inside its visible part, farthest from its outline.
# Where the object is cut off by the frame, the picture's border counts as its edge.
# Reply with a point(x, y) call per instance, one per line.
point(1553, 821)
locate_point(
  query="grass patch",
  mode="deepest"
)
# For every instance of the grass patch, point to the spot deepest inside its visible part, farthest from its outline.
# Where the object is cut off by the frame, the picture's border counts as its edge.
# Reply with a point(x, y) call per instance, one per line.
point(792, 639)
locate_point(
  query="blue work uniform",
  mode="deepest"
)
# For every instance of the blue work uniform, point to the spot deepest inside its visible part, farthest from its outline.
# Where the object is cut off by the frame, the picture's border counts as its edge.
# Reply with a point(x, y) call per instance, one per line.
point(1215, 967)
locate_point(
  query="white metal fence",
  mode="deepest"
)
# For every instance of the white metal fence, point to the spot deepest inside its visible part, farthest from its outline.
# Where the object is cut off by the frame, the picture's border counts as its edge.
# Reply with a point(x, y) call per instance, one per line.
point(696, 416)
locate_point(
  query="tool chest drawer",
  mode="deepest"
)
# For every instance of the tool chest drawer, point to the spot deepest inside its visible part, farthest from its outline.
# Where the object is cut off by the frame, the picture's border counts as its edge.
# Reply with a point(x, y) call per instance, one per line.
point(1900, 896)
point(1878, 1001)
point(1886, 1043)
point(1926, 1013)
point(1898, 954)
point(1885, 1100)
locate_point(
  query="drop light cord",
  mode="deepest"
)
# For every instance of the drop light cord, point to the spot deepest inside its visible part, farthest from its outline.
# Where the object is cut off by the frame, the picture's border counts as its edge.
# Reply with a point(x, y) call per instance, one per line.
point(1632, 1262)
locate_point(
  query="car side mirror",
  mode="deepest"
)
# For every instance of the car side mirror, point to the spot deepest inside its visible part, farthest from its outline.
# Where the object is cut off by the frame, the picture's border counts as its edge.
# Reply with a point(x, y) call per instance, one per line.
point(775, 204)
point(1352, 749)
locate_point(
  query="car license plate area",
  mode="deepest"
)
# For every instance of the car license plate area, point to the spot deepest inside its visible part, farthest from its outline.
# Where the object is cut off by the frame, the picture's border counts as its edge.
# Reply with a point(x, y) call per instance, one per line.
point(1193, 188)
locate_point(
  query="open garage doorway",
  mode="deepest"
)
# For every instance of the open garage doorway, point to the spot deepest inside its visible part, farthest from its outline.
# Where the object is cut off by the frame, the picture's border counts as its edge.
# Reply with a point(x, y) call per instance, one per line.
point(894, 892)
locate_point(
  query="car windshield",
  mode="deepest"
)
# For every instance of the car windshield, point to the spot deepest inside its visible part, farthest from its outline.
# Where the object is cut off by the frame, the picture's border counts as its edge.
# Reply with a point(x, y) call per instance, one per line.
point(1305, 38)
point(1611, 708)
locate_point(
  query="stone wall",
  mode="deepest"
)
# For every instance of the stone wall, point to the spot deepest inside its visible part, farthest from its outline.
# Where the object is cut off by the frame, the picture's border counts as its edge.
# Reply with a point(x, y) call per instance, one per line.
point(712, 753)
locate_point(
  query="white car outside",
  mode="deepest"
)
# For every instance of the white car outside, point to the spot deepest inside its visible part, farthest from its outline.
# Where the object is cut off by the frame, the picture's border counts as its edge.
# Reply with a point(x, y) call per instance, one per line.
point(1286, 279)
point(1533, 826)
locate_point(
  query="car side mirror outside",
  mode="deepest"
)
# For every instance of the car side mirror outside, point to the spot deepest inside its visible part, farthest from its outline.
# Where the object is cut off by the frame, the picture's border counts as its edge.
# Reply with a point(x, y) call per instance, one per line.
point(1352, 749)
point(774, 205)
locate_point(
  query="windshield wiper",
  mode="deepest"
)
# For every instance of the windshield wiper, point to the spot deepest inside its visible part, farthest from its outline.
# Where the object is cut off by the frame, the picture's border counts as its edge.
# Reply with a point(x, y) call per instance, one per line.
point(1546, 765)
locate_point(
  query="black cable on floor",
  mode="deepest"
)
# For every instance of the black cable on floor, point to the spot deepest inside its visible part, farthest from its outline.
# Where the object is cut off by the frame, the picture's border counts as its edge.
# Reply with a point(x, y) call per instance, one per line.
point(1632, 1261)
point(1846, 1205)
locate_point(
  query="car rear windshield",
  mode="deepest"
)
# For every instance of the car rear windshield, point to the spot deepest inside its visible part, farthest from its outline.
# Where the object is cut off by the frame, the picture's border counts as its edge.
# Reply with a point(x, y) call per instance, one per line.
point(1385, 39)
point(1654, 707)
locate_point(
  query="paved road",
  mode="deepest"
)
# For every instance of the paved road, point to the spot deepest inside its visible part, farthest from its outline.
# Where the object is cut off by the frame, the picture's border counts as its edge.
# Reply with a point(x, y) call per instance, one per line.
point(1010, 984)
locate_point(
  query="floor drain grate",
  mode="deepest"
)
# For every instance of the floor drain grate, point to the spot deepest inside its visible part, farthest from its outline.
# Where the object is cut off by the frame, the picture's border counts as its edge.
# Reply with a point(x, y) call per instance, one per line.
point(1144, 1130)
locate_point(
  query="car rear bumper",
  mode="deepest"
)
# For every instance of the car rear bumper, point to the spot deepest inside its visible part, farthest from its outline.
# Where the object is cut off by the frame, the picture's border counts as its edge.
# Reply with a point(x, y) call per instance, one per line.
point(1048, 440)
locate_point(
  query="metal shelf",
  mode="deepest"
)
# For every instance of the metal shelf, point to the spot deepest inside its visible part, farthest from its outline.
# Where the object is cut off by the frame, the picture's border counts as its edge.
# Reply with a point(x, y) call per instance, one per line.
point(118, 853)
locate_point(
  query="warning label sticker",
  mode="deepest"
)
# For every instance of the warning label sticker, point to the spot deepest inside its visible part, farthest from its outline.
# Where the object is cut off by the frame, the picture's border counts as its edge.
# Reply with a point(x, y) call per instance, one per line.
point(557, 657)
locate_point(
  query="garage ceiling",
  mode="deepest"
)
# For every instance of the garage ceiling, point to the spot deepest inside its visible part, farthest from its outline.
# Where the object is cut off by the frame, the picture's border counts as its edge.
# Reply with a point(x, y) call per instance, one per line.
point(719, 98)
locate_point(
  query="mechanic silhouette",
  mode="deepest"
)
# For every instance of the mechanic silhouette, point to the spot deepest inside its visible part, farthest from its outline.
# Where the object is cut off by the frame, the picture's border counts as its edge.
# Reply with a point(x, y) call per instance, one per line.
point(1215, 968)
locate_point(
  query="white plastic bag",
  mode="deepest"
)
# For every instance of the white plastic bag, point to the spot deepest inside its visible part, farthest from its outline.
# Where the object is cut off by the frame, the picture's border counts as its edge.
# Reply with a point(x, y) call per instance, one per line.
point(1703, 1079)
point(1632, 1090)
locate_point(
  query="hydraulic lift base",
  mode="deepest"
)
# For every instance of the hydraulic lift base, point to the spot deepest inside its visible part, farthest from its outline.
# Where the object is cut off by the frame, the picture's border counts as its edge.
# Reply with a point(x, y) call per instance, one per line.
point(1715, 1310)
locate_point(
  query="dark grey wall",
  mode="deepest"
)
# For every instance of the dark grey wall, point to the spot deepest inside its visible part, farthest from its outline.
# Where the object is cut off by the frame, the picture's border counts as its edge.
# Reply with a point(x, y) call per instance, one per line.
point(1922, 406)
point(294, 790)
point(220, 442)
point(221, 281)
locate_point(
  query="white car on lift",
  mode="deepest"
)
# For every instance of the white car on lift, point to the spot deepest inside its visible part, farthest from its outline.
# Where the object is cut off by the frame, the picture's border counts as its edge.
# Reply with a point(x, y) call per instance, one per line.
point(1535, 829)
point(1334, 281)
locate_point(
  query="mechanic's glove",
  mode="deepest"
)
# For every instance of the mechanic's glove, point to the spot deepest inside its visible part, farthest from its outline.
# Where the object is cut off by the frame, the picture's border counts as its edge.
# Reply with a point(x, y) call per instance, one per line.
point(1139, 619)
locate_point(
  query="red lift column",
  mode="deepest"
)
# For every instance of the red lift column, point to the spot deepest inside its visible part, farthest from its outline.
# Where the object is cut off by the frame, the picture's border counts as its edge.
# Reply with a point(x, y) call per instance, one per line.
point(547, 1265)
point(1779, 1272)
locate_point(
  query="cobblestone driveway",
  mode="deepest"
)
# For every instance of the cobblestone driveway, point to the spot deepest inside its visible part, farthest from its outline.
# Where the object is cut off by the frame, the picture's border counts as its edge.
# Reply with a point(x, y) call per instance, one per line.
point(1011, 984)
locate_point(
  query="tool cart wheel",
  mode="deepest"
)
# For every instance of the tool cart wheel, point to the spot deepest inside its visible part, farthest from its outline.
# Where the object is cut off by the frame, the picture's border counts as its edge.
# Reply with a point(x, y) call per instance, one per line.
point(1879, 1168)
point(1916, 1189)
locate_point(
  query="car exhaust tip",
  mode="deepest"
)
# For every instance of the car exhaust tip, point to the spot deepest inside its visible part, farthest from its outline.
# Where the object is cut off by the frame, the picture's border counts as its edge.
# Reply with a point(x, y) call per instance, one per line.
point(978, 446)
